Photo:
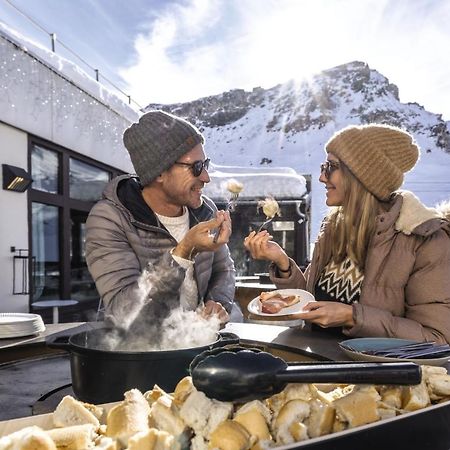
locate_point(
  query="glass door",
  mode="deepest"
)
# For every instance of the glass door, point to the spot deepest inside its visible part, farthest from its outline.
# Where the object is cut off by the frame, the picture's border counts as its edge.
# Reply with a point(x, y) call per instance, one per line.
point(81, 283)
point(46, 252)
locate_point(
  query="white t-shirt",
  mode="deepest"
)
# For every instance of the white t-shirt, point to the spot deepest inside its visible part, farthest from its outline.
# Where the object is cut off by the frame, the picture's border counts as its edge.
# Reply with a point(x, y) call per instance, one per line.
point(178, 227)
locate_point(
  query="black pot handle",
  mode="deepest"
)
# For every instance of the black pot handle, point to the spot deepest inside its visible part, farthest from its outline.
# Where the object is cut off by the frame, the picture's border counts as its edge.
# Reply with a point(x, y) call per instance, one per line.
point(226, 339)
point(59, 342)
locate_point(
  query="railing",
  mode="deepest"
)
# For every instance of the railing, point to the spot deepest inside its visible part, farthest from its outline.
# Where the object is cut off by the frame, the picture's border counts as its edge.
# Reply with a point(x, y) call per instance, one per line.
point(21, 271)
point(53, 41)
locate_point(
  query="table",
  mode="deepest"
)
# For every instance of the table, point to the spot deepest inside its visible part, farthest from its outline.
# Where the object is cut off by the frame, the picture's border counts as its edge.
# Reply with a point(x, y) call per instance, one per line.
point(55, 304)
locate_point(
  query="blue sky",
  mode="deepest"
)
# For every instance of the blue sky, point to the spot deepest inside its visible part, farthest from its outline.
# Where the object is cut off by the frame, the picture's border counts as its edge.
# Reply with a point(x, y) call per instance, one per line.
point(172, 50)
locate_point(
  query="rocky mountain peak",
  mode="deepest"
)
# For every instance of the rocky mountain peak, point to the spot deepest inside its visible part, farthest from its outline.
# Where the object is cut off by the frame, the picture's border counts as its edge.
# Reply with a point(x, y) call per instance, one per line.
point(349, 93)
point(288, 125)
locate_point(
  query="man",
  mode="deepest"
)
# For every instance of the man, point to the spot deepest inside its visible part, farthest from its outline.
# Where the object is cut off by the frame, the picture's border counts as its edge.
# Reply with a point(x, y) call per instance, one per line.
point(149, 241)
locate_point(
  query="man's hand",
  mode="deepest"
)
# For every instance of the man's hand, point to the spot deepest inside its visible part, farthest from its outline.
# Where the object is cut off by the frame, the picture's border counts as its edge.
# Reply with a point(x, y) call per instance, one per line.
point(199, 237)
point(328, 314)
point(212, 308)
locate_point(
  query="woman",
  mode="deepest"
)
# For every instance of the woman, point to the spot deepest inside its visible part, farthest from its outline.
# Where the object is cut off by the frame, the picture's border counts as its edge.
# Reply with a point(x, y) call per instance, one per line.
point(381, 263)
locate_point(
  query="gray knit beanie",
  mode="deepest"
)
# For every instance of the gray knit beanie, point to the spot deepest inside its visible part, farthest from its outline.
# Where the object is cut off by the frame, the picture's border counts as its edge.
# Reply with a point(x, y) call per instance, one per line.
point(157, 141)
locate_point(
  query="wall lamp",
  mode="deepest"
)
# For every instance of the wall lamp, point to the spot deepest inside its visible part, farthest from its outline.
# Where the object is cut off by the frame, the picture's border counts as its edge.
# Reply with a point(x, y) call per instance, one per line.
point(15, 178)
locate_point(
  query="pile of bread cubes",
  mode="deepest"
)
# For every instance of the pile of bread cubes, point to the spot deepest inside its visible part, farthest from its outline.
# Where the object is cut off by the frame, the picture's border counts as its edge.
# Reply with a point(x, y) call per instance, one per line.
point(187, 419)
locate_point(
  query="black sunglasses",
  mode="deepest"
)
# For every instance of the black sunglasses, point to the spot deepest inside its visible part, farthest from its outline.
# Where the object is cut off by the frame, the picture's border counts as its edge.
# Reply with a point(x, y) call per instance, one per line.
point(328, 167)
point(197, 166)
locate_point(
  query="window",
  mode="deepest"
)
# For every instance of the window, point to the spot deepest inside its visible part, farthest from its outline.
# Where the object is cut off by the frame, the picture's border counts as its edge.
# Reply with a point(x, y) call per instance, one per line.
point(86, 182)
point(45, 170)
point(65, 187)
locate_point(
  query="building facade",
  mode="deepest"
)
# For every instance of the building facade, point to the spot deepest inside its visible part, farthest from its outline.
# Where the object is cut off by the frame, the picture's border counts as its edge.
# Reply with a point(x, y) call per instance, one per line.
point(63, 130)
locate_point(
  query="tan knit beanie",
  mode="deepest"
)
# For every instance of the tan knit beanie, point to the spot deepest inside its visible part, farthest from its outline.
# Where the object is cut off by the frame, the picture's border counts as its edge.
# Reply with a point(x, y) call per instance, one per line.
point(377, 155)
point(157, 141)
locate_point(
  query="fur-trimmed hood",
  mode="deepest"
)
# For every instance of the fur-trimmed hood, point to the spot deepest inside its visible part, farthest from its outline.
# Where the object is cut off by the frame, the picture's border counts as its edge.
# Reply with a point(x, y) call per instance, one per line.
point(444, 209)
point(416, 218)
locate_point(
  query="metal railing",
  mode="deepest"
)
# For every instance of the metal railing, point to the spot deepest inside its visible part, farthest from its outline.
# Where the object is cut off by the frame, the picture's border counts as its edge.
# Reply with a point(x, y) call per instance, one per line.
point(98, 77)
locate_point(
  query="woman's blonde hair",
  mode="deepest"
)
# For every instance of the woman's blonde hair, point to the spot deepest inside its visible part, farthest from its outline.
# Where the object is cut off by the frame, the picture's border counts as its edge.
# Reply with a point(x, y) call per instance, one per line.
point(353, 223)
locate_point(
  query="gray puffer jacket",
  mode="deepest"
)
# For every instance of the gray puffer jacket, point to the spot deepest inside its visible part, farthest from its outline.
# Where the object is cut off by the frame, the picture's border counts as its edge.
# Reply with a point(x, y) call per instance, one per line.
point(122, 241)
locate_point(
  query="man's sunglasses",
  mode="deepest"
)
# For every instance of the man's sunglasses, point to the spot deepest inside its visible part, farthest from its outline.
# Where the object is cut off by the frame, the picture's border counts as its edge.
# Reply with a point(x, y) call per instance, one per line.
point(197, 166)
point(328, 167)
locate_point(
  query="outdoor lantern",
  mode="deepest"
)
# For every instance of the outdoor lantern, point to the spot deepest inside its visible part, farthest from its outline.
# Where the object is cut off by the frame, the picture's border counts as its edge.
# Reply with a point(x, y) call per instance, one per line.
point(15, 178)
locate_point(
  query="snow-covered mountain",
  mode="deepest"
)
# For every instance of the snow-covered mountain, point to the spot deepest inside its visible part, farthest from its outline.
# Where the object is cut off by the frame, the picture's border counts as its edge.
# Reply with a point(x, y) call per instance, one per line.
point(289, 124)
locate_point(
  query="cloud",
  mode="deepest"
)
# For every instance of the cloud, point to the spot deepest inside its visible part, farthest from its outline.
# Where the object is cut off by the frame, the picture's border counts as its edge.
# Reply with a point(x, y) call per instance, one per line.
point(204, 47)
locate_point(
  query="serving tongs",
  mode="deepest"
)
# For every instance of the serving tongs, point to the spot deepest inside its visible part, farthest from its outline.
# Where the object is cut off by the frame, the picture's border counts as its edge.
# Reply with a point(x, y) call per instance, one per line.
point(413, 350)
point(241, 374)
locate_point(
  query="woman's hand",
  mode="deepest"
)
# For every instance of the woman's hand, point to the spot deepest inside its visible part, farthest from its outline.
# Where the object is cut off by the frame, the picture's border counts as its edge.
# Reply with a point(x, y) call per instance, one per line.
point(328, 314)
point(261, 246)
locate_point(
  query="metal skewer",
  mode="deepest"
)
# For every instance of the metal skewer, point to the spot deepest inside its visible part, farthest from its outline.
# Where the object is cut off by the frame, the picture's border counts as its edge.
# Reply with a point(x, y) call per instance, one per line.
point(231, 205)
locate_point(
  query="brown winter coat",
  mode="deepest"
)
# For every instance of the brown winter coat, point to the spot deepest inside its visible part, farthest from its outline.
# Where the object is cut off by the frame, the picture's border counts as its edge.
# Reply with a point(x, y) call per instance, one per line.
point(406, 287)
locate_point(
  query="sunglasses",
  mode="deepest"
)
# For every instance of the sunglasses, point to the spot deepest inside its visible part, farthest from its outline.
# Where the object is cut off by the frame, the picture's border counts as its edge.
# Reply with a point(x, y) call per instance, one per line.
point(197, 166)
point(328, 167)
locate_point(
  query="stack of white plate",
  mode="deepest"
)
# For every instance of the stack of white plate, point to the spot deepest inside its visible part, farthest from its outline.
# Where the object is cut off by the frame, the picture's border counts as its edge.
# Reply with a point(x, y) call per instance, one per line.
point(14, 325)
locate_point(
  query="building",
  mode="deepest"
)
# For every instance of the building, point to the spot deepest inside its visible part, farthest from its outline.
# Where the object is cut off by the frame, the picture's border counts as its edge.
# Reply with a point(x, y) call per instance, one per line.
point(63, 130)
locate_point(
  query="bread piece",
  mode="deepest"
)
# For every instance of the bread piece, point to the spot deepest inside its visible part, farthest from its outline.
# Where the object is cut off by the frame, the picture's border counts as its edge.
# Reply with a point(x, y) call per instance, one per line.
point(106, 443)
point(330, 396)
point(182, 390)
point(198, 443)
point(359, 406)
point(203, 414)
point(128, 417)
point(439, 385)
point(73, 412)
point(165, 416)
point(75, 437)
point(155, 393)
point(299, 431)
point(386, 413)
point(230, 435)
point(293, 391)
point(220, 411)
point(326, 387)
point(152, 439)
point(29, 438)
point(195, 411)
point(293, 411)
point(255, 417)
point(432, 370)
point(321, 418)
point(391, 396)
point(339, 425)
point(415, 397)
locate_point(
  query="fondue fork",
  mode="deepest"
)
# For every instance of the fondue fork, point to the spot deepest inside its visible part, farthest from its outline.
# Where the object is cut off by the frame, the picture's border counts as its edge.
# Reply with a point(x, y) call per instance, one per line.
point(230, 207)
point(265, 224)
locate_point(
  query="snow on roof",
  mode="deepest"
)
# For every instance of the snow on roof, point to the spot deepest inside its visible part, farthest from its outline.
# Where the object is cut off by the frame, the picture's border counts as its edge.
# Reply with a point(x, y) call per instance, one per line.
point(71, 72)
point(278, 182)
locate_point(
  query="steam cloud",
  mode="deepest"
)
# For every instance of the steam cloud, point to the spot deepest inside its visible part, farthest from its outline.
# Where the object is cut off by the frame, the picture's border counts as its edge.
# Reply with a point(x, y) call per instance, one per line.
point(180, 329)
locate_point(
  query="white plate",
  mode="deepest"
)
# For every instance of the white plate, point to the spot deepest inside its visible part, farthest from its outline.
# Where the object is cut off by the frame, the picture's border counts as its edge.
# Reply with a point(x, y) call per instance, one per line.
point(254, 307)
point(17, 318)
point(364, 344)
point(14, 325)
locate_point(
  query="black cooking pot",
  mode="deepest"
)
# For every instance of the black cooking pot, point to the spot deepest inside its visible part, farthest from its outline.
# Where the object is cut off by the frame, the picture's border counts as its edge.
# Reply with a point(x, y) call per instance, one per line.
point(101, 376)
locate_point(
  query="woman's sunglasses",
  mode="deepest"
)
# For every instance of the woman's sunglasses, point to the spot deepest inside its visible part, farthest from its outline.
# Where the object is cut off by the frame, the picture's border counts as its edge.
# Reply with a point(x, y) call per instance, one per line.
point(328, 167)
point(197, 166)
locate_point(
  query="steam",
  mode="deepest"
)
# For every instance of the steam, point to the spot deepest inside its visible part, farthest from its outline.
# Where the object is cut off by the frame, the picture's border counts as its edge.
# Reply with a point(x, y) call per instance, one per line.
point(138, 332)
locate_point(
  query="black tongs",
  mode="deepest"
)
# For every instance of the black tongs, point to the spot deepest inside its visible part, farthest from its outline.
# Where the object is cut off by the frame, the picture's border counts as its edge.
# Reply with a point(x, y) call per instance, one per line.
point(242, 374)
